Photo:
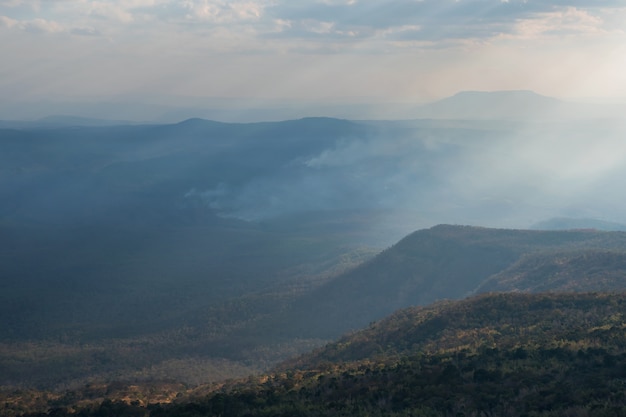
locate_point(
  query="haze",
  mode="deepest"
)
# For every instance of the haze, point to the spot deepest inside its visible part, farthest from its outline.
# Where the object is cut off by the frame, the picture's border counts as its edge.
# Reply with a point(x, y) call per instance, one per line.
point(196, 190)
point(273, 54)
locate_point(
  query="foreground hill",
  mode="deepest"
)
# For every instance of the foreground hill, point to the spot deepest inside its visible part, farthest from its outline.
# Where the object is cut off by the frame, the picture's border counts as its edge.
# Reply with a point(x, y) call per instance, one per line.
point(493, 355)
point(452, 262)
point(494, 321)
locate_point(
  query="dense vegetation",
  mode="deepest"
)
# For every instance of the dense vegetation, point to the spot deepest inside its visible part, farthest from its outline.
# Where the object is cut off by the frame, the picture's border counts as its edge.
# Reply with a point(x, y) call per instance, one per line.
point(493, 355)
point(575, 270)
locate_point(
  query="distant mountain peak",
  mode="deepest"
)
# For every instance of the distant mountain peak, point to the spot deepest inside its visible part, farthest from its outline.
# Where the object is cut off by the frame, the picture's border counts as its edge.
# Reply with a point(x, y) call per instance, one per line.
point(197, 121)
point(500, 97)
point(492, 105)
point(501, 93)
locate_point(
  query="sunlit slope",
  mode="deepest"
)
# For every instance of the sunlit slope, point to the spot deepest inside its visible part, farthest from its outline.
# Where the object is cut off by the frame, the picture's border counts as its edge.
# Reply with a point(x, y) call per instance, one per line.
point(488, 321)
point(498, 354)
point(575, 270)
point(542, 353)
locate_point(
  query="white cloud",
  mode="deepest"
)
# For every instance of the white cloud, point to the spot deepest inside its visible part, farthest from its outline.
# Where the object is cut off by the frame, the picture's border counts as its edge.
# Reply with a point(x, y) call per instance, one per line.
point(564, 22)
point(7, 22)
point(10, 3)
point(324, 48)
point(222, 12)
point(109, 10)
point(42, 26)
point(33, 26)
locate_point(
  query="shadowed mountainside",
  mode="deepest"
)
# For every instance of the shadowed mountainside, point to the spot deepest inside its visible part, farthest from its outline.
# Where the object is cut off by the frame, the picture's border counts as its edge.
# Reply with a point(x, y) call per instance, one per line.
point(451, 262)
point(132, 252)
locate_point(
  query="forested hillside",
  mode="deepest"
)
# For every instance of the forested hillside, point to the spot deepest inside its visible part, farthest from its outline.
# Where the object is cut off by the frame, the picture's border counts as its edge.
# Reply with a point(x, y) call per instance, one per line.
point(452, 262)
point(575, 270)
point(500, 355)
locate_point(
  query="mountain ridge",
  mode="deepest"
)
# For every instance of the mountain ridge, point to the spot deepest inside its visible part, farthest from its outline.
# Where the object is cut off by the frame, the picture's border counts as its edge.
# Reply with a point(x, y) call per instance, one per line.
point(452, 262)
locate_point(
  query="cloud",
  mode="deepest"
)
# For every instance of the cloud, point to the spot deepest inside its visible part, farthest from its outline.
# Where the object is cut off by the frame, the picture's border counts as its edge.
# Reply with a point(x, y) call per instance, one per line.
point(321, 48)
point(217, 12)
point(440, 20)
point(564, 22)
point(7, 22)
point(337, 20)
point(32, 26)
point(110, 10)
point(10, 3)
point(42, 26)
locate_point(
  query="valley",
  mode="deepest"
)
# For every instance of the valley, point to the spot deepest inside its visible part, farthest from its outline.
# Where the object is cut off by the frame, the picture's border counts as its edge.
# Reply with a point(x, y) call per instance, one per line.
point(321, 208)
point(149, 264)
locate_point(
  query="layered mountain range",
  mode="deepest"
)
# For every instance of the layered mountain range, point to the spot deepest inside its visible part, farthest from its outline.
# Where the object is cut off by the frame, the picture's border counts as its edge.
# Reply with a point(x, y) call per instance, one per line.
point(169, 256)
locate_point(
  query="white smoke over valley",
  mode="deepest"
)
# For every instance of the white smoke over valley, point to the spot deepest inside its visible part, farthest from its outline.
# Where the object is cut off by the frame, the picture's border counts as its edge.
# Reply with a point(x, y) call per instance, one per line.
point(506, 174)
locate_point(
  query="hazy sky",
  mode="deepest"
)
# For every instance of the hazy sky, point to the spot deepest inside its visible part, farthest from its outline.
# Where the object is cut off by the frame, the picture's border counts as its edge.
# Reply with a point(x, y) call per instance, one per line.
point(373, 50)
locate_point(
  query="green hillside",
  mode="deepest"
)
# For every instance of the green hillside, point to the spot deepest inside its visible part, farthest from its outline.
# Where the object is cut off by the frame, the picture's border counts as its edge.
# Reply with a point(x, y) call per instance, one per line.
point(501, 321)
point(493, 355)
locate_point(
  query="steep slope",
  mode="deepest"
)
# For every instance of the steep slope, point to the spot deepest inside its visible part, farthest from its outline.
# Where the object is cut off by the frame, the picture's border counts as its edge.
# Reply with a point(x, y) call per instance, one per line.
point(445, 262)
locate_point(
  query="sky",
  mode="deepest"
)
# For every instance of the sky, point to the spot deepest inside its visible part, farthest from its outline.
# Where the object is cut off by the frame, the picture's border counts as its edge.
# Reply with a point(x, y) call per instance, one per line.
point(310, 50)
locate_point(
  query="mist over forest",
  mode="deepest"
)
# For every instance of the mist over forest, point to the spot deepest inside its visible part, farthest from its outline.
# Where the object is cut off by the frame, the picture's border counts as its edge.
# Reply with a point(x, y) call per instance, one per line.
point(482, 158)
point(201, 250)
point(316, 208)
